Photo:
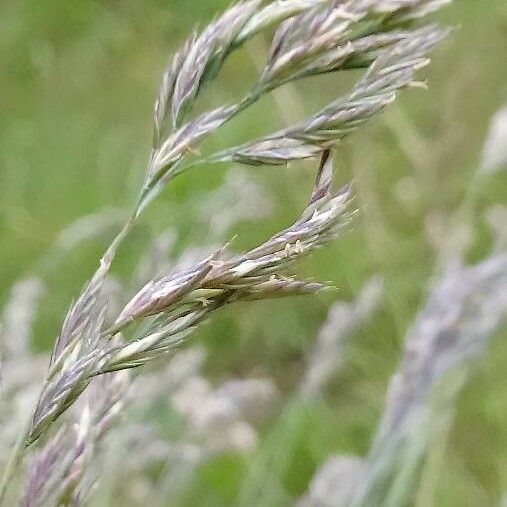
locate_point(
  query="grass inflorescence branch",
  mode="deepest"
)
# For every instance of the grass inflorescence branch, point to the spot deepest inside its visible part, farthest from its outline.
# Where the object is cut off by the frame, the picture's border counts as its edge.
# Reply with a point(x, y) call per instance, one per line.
point(312, 37)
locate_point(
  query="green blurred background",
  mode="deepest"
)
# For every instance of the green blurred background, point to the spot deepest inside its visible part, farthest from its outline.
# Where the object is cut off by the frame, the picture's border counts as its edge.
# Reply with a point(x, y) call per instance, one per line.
point(77, 84)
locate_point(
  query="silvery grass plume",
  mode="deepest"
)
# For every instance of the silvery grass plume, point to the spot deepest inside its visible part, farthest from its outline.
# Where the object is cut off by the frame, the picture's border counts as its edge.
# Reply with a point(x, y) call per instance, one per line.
point(326, 37)
point(18, 315)
point(329, 351)
point(217, 420)
point(220, 420)
point(431, 350)
point(392, 70)
point(74, 356)
point(342, 34)
point(22, 378)
point(139, 436)
point(448, 336)
point(20, 371)
point(452, 235)
point(451, 333)
point(494, 154)
point(334, 483)
point(221, 416)
point(178, 90)
point(60, 473)
point(179, 302)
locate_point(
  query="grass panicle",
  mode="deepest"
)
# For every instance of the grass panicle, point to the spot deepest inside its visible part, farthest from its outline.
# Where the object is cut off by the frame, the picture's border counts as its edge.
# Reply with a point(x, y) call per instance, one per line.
point(311, 37)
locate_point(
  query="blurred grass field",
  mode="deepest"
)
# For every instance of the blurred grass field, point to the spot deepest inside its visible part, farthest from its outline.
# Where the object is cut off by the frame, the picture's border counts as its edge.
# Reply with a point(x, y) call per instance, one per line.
point(77, 83)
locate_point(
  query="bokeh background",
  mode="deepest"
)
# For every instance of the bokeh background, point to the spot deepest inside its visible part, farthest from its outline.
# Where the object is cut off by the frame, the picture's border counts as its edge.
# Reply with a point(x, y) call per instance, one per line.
point(77, 84)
